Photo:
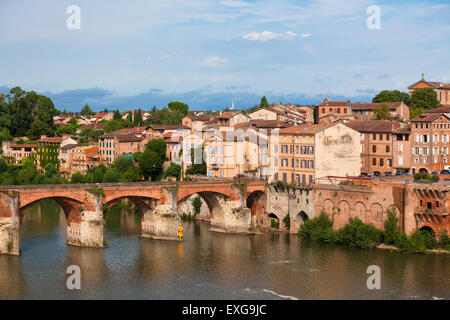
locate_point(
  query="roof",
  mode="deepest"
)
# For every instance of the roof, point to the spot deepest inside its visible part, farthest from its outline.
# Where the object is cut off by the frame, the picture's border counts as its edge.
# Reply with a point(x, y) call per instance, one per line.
point(95, 126)
point(429, 117)
point(24, 145)
point(100, 115)
point(403, 130)
point(122, 137)
point(263, 124)
point(168, 127)
point(373, 125)
point(304, 130)
point(69, 146)
point(433, 84)
point(51, 139)
point(131, 130)
point(227, 115)
point(371, 106)
point(326, 102)
point(203, 117)
point(443, 109)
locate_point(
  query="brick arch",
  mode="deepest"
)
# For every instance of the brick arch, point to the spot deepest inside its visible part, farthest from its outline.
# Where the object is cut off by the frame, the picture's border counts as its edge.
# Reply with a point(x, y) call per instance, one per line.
point(256, 202)
point(27, 199)
point(211, 199)
point(376, 215)
point(142, 203)
point(328, 206)
point(72, 208)
point(342, 214)
point(116, 195)
point(224, 191)
point(359, 210)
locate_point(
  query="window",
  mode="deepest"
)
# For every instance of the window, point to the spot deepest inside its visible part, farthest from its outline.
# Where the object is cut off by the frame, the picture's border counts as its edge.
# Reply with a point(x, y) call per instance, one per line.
point(374, 149)
point(285, 177)
point(381, 162)
point(400, 148)
point(388, 148)
point(374, 161)
point(374, 136)
point(400, 160)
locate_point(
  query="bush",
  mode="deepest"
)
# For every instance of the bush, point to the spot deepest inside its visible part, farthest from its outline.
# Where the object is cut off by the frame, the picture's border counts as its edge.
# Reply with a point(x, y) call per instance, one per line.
point(444, 240)
point(391, 228)
point(419, 241)
point(77, 178)
point(274, 224)
point(317, 228)
point(359, 234)
point(287, 221)
point(417, 176)
point(197, 204)
point(435, 178)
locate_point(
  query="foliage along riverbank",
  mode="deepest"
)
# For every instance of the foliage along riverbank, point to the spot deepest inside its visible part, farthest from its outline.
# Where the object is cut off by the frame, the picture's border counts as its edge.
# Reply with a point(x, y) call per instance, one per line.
point(361, 235)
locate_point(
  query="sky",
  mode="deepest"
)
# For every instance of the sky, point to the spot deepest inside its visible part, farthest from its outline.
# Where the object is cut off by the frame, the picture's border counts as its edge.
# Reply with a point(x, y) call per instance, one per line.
point(209, 53)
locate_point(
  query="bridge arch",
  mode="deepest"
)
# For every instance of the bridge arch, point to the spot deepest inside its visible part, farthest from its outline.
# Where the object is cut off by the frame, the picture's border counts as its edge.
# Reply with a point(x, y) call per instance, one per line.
point(376, 215)
point(256, 202)
point(342, 214)
point(359, 210)
point(72, 207)
point(212, 199)
point(328, 206)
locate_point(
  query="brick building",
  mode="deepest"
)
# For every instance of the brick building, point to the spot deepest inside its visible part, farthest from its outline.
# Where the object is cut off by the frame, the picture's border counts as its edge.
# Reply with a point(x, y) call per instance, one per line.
point(377, 144)
point(364, 111)
point(442, 89)
point(430, 142)
point(330, 111)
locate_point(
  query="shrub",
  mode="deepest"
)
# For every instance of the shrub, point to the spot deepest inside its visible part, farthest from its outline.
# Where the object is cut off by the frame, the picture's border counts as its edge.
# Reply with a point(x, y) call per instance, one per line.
point(391, 228)
point(435, 178)
point(197, 204)
point(359, 234)
point(417, 176)
point(287, 221)
point(419, 241)
point(274, 224)
point(317, 228)
point(444, 240)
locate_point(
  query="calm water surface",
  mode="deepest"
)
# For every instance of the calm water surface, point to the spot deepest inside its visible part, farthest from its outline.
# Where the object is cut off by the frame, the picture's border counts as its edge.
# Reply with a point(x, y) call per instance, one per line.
point(206, 265)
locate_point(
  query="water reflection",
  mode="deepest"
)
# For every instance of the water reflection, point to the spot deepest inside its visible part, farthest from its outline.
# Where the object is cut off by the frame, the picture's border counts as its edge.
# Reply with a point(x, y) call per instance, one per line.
point(206, 265)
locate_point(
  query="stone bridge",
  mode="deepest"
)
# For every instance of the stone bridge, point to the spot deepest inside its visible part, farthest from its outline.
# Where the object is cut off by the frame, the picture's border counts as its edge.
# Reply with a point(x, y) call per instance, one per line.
point(233, 207)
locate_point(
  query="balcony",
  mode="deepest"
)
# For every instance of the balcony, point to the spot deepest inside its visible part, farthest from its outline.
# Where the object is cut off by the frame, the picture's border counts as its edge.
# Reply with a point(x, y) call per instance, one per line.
point(434, 211)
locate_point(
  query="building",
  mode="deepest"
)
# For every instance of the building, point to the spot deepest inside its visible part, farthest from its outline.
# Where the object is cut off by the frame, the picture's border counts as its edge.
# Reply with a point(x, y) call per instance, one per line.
point(47, 149)
point(174, 146)
point(364, 111)
point(430, 142)
point(74, 158)
point(315, 151)
point(402, 149)
point(114, 145)
point(275, 114)
point(442, 89)
point(232, 153)
point(15, 153)
point(106, 116)
point(332, 111)
point(377, 141)
point(196, 122)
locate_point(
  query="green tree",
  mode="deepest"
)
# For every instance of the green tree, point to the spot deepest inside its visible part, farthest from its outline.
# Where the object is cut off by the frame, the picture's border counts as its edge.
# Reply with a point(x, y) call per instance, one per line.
point(112, 175)
point(391, 96)
point(87, 111)
point(179, 107)
point(77, 178)
point(423, 99)
point(113, 125)
point(264, 103)
point(122, 164)
point(174, 170)
point(381, 112)
point(138, 118)
point(117, 115)
point(197, 204)
point(159, 146)
point(130, 117)
point(391, 227)
point(150, 164)
point(38, 128)
point(131, 175)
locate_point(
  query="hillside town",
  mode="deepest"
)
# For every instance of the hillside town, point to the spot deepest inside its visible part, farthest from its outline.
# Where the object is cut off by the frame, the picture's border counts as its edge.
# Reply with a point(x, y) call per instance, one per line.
point(291, 143)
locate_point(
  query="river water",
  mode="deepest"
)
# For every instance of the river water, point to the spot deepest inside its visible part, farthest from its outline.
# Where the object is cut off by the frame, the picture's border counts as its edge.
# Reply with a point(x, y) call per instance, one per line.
point(207, 265)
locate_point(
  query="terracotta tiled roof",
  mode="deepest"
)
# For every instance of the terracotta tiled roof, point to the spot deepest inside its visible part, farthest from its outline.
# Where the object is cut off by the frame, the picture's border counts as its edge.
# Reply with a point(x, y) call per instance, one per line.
point(326, 102)
point(95, 126)
point(443, 109)
point(131, 130)
point(122, 137)
point(69, 146)
point(373, 125)
point(100, 115)
point(24, 145)
point(303, 130)
point(168, 127)
point(51, 139)
point(263, 124)
point(403, 130)
point(428, 117)
point(371, 106)
point(441, 84)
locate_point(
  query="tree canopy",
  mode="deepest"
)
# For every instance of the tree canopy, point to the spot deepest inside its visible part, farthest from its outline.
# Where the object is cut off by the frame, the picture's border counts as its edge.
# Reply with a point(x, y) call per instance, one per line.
point(382, 112)
point(264, 103)
point(391, 96)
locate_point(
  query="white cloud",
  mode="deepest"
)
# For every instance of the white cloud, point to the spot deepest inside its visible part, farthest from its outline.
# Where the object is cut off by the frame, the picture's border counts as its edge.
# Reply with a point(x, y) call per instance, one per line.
point(214, 61)
point(269, 35)
point(263, 36)
point(236, 4)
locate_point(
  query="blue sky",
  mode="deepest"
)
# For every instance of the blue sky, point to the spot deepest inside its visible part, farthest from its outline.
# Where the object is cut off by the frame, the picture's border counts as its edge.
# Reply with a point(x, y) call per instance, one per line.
point(208, 53)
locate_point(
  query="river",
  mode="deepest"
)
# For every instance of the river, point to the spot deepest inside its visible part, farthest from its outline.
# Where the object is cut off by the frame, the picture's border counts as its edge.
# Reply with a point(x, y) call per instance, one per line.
point(206, 265)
